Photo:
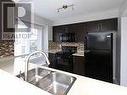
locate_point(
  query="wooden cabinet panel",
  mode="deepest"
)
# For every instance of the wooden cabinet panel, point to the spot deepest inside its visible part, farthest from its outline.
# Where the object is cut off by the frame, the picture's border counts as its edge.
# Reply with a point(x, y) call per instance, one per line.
point(52, 59)
point(108, 25)
point(56, 31)
point(92, 26)
point(78, 29)
point(79, 65)
point(102, 25)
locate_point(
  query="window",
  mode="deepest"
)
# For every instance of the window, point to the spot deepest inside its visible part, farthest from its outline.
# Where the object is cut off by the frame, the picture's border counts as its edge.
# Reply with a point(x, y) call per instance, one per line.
point(37, 40)
point(26, 43)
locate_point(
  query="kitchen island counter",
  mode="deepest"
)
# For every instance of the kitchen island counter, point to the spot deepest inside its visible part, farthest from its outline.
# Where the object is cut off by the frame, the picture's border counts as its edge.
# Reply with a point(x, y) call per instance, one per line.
point(10, 85)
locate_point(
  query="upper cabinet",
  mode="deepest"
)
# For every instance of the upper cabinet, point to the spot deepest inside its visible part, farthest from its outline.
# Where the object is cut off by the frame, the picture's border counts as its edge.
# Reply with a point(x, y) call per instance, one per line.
point(92, 27)
point(77, 29)
point(102, 25)
point(80, 29)
point(56, 31)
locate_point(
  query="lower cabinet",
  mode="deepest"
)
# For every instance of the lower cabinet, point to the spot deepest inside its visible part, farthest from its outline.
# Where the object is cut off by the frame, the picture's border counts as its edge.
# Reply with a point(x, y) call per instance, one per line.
point(52, 59)
point(78, 65)
point(60, 62)
point(74, 64)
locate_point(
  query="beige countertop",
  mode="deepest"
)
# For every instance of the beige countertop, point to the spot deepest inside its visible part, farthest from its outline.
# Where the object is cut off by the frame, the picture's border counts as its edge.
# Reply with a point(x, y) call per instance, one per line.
point(79, 53)
point(54, 51)
point(10, 85)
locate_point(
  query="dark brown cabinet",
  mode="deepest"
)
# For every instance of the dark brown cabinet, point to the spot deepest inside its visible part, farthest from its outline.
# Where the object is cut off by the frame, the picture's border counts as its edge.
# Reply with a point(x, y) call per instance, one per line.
point(52, 60)
point(92, 27)
point(108, 25)
point(77, 29)
point(102, 25)
point(79, 65)
point(80, 29)
point(56, 31)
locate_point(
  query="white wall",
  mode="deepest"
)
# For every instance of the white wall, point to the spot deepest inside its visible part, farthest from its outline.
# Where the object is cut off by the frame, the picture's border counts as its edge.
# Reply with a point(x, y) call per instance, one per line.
point(50, 34)
point(42, 21)
point(124, 51)
point(45, 39)
point(47, 32)
point(123, 9)
point(36, 19)
point(123, 48)
point(88, 17)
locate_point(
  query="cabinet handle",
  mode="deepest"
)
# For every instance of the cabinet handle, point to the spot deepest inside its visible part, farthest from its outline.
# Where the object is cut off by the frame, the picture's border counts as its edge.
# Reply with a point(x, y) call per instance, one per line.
point(98, 28)
point(101, 26)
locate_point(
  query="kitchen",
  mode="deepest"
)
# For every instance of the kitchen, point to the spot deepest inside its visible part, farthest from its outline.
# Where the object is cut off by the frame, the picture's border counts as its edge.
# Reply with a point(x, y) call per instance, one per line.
point(76, 38)
point(80, 48)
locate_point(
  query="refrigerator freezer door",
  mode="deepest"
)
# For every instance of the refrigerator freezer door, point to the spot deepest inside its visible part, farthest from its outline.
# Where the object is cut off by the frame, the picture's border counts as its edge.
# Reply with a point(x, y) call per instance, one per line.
point(99, 41)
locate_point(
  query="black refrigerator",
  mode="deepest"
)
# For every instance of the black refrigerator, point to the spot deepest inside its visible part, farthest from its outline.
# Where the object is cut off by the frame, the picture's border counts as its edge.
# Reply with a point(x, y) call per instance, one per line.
point(99, 56)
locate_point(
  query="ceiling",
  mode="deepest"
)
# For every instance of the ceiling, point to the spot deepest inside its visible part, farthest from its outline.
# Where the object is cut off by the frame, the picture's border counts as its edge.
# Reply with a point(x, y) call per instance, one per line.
point(48, 8)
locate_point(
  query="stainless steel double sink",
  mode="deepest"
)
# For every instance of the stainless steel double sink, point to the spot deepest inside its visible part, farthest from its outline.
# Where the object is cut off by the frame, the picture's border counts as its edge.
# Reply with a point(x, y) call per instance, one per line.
point(51, 81)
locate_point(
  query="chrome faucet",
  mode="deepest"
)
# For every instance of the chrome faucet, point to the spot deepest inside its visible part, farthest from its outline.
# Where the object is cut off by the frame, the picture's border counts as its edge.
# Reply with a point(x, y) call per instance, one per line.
point(27, 62)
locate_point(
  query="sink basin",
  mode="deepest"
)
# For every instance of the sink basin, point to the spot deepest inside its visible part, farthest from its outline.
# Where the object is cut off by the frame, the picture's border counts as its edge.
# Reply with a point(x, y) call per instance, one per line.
point(53, 82)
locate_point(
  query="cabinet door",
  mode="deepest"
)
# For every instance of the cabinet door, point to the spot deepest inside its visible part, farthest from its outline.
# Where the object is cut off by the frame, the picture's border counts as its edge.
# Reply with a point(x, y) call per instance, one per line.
point(78, 65)
point(57, 30)
point(52, 59)
point(108, 25)
point(102, 25)
point(79, 30)
point(93, 26)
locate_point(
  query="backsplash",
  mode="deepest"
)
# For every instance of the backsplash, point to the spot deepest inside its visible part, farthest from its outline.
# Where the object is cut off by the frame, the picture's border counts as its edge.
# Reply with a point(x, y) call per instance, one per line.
point(6, 48)
point(57, 46)
point(54, 45)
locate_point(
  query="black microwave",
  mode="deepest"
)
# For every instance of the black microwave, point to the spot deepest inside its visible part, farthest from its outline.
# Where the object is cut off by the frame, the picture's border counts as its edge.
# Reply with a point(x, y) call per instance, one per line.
point(67, 37)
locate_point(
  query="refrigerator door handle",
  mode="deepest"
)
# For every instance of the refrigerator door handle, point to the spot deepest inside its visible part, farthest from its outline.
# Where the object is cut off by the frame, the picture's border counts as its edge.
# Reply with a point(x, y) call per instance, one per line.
point(108, 36)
